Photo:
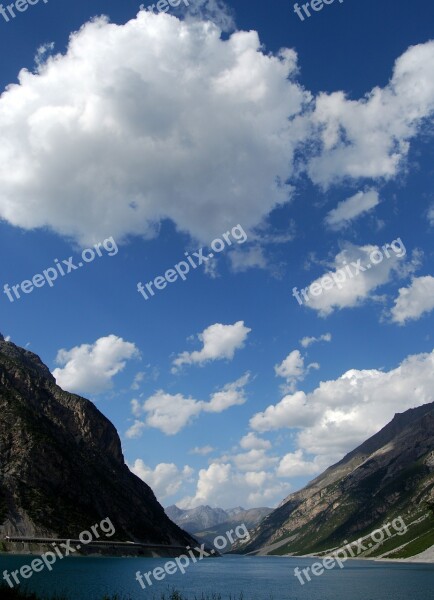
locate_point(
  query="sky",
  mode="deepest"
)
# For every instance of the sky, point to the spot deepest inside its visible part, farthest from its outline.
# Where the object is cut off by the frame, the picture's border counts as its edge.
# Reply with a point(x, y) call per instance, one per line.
point(216, 224)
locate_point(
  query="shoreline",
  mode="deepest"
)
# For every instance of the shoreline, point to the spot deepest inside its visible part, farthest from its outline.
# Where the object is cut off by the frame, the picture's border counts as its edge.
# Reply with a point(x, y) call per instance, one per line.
point(410, 560)
point(428, 559)
point(424, 558)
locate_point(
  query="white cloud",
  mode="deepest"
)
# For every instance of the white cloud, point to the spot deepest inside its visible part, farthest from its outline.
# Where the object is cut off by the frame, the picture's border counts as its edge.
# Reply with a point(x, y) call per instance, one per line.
point(414, 301)
point(370, 137)
point(340, 414)
point(222, 485)
point(216, 11)
point(219, 342)
point(308, 341)
point(202, 451)
point(150, 374)
point(352, 290)
point(292, 369)
point(138, 378)
point(165, 480)
point(291, 409)
point(232, 394)
point(294, 464)
point(251, 477)
point(243, 260)
point(43, 52)
point(170, 413)
point(90, 368)
point(136, 430)
point(135, 407)
point(350, 209)
point(430, 215)
point(251, 461)
point(96, 127)
point(252, 442)
point(211, 269)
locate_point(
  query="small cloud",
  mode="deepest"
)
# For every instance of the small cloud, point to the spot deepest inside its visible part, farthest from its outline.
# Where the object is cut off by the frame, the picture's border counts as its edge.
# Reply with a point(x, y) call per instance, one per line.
point(211, 268)
point(414, 301)
point(294, 464)
point(136, 408)
point(136, 430)
point(219, 342)
point(243, 260)
point(354, 277)
point(42, 53)
point(165, 480)
point(90, 368)
point(151, 374)
point(232, 394)
point(293, 370)
point(170, 413)
point(202, 451)
point(348, 210)
point(138, 380)
point(252, 442)
point(308, 341)
point(216, 11)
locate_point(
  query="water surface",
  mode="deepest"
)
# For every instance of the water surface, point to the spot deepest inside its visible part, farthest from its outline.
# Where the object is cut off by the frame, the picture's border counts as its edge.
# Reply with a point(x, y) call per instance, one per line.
point(257, 578)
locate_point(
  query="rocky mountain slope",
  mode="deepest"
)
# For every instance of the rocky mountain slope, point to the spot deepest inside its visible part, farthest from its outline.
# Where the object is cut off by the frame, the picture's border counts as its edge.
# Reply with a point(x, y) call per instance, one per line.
point(61, 463)
point(205, 522)
point(205, 518)
point(390, 475)
point(196, 519)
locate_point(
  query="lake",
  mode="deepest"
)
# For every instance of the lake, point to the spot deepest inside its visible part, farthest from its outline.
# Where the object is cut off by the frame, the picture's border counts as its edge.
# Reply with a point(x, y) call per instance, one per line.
point(261, 578)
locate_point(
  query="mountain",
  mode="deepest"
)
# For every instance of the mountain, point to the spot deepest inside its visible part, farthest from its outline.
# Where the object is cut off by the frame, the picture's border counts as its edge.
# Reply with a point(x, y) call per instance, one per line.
point(388, 476)
point(233, 512)
point(206, 523)
point(196, 519)
point(61, 464)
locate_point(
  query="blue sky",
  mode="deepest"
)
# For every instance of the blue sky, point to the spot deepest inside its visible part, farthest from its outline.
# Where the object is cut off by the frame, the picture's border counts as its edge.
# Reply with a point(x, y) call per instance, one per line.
point(157, 135)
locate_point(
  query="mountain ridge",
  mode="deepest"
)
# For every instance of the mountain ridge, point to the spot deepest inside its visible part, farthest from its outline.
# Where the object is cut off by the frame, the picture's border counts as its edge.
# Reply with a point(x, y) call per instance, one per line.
point(392, 472)
point(206, 522)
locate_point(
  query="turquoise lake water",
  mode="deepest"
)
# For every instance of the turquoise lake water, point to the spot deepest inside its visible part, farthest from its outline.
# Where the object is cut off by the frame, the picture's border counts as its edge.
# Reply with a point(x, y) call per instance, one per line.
point(260, 578)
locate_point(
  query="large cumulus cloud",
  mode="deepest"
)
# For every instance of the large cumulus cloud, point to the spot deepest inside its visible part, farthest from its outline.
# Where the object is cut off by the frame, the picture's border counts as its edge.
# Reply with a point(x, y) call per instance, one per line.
point(157, 118)
point(163, 118)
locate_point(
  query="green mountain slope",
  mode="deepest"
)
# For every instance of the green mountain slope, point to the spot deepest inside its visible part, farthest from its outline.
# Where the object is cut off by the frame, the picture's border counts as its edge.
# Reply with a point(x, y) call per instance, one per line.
point(390, 475)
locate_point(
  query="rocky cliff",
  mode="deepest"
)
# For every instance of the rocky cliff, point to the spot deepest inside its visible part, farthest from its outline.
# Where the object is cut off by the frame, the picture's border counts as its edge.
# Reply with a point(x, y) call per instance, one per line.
point(61, 463)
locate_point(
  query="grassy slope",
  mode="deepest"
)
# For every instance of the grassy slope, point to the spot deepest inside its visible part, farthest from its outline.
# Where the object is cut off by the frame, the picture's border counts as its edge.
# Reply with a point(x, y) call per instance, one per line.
point(419, 537)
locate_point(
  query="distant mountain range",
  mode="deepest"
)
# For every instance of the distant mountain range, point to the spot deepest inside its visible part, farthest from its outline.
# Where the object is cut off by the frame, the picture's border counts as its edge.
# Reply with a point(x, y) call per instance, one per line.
point(389, 475)
point(205, 522)
point(61, 463)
